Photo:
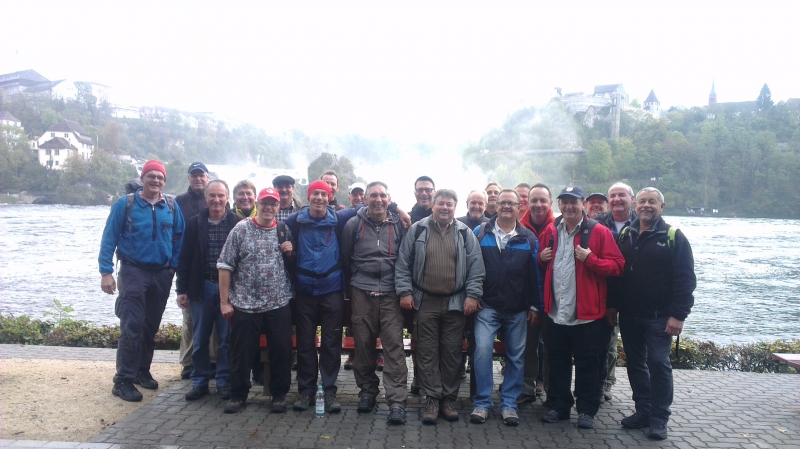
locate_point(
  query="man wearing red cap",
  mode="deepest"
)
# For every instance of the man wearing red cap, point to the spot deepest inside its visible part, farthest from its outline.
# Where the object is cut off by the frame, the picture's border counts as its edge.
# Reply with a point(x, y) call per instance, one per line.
point(146, 230)
point(254, 290)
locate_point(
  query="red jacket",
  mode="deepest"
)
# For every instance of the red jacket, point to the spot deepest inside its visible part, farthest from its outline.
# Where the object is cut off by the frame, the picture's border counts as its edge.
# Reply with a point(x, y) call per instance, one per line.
point(526, 221)
point(590, 276)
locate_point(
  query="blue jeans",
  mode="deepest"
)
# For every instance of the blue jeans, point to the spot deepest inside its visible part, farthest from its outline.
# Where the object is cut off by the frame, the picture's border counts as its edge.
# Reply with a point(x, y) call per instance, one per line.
point(206, 314)
point(487, 322)
point(647, 347)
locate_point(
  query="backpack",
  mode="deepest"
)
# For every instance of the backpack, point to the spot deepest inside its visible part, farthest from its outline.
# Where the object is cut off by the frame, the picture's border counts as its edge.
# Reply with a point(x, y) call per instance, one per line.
point(586, 229)
point(670, 237)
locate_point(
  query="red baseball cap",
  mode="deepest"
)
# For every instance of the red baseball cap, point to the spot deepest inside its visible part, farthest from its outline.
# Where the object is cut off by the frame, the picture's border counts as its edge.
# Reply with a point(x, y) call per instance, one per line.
point(269, 192)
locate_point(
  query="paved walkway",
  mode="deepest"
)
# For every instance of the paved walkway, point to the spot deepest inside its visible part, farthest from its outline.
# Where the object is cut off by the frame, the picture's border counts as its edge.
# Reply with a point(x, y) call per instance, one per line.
point(711, 409)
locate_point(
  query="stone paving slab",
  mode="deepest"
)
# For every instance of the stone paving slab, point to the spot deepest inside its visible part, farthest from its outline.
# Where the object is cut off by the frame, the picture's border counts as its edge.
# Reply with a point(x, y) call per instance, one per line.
point(68, 353)
point(711, 409)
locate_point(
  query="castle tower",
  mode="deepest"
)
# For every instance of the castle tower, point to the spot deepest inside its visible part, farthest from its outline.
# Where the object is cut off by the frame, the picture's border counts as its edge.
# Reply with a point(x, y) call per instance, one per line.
point(712, 97)
point(652, 105)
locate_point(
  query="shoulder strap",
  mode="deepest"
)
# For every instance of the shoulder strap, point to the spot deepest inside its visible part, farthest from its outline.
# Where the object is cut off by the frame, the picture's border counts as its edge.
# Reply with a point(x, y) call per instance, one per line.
point(481, 232)
point(128, 206)
point(171, 203)
point(281, 232)
point(671, 238)
point(621, 236)
point(463, 232)
point(418, 231)
point(586, 231)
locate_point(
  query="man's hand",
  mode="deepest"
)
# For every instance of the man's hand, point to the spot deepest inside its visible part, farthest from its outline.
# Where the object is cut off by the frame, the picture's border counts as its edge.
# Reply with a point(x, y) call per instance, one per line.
point(286, 248)
point(108, 284)
point(183, 301)
point(405, 219)
point(582, 253)
point(546, 255)
point(533, 318)
point(172, 272)
point(407, 302)
point(227, 310)
point(472, 305)
point(674, 327)
point(612, 317)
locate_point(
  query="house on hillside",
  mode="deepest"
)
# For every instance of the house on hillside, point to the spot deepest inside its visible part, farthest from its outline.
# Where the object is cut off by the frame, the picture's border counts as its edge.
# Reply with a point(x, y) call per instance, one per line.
point(27, 81)
point(8, 119)
point(66, 138)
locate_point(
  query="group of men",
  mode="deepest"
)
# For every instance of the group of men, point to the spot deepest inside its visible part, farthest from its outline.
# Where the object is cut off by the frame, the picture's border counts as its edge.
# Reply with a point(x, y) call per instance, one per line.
point(509, 269)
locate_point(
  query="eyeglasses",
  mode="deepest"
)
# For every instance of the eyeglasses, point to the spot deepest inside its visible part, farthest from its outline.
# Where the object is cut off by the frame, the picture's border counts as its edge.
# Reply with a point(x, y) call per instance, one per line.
point(507, 204)
point(425, 190)
point(156, 177)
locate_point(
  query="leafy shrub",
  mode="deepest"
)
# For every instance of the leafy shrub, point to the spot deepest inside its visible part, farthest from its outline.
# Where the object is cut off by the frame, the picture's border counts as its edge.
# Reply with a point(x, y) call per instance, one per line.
point(23, 330)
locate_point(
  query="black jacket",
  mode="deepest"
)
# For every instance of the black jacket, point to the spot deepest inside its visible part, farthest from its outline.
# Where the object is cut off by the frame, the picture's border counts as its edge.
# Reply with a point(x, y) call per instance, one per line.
point(512, 281)
point(656, 281)
point(471, 222)
point(607, 220)
point(192, 261)
point(418, 213)
point(191, 203)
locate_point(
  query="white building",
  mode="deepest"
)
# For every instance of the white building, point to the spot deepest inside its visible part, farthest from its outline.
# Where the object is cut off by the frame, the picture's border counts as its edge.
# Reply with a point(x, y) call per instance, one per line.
point(652, 105)
point(8, 119)
point(68, 89)
point(60, 141)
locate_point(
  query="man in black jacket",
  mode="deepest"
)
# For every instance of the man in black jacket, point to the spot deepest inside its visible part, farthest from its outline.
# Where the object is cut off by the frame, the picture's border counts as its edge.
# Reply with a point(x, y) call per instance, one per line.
point(654, 296)
point(198, 289)
point(192, 202)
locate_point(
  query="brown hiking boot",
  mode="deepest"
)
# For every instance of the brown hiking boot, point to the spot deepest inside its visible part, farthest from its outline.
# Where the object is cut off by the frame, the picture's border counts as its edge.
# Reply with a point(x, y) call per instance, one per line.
point(448, 410)
point(431, 411)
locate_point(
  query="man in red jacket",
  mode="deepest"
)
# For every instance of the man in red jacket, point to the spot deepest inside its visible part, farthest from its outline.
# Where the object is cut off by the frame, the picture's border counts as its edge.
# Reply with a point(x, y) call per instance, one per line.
point(577, 257)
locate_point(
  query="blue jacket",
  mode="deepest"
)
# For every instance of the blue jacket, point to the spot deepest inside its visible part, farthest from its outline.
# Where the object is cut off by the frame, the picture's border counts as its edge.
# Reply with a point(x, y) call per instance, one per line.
point(319, 269)
point(513, 282)
point(154, 238)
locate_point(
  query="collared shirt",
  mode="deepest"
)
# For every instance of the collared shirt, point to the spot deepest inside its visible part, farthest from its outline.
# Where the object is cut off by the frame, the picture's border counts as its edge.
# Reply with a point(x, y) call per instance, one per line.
point(283, 214)
point(565, 290)
point(501, 237)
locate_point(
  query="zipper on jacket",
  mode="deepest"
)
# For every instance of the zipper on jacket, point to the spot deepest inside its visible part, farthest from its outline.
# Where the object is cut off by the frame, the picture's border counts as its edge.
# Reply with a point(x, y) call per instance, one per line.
point(155, 222)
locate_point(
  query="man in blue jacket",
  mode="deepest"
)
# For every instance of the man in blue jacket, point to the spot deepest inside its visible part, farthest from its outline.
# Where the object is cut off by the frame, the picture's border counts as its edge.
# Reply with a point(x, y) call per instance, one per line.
point(510, 299)
point(146, 230)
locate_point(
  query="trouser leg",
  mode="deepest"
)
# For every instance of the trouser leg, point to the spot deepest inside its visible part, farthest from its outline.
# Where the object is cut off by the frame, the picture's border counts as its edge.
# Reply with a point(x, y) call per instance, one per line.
point(223, 330)
point(155, 302)
point(531, 370)
point(559, 353)
point(515, 327)
point(633, 339)
point(277, 324)
point(365, 327)
point(307, 362)
point(244, 336)
point(658, 364)
point(395, 371)
point(130, 309)
point(451, 338)
point(187, 338)
point(202, 313)
point(603, 354)
point(611, 360)
point(426, 334)
point(485, 330)
point(331, 307)
point(589, 338)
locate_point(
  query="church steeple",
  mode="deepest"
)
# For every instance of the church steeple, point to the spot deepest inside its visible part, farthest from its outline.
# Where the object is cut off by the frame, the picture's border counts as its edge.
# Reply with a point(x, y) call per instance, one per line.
point(712, 97)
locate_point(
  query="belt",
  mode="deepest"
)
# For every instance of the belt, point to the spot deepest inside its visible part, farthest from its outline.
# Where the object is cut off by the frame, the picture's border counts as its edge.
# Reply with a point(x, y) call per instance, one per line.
point(213, 277)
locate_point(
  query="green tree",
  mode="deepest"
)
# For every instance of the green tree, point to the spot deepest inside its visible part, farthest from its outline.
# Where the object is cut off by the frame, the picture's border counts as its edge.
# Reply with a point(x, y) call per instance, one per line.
point(764, 100)
point(599, 161)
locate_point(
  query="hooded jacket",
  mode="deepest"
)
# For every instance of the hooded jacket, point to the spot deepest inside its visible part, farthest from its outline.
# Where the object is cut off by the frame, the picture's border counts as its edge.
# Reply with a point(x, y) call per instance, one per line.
point(410, 266)
point(191, 203)
point(590, 275)
point(370, 250)
point(526, 221)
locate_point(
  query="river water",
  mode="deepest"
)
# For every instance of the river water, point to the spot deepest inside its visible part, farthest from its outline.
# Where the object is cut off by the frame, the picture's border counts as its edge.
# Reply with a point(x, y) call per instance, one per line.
point(748, 271)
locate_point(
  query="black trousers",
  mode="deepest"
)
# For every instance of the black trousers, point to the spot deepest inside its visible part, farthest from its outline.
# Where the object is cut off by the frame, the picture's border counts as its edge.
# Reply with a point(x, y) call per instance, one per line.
point(246, 329)
point(581, 342)
point(326, 311)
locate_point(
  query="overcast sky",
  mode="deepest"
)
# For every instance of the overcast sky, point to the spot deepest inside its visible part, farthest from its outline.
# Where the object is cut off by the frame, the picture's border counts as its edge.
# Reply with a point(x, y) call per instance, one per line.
point(441, 72)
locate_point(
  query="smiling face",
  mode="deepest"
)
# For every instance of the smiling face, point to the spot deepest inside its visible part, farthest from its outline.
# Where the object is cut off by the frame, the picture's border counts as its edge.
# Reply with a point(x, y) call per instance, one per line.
point(216, 198)
point(540, 204)
point(286, 191)
point(267, 211)
point(198, 180)
point(153, 181)
point(619, 200)
point(476, 206)
point(423, 192)
point(507, 206)
point(571, 208)
point(318, 203)
point(648, 207)
point(523, 200)
point(245, 199)
point(595, 206)
point(332, 182)
point(356, 197)
point(492, 192)
point(378, 202)
point(444, 209)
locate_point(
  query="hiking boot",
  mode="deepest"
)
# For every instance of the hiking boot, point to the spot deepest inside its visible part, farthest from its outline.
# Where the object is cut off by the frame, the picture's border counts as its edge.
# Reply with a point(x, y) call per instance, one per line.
point(196, 393)
point(539, 388)
point(510, 417)
point(478, 415)
point(234, 406)
point(186, 372)
point(397, 415)
point(332, 405)
point(126, 391)
point(448, 411)
point(607, 394)
point(224, 392)
point(145, 379)
point(366, 404)
point(379, 363)
point(278, 404)
point(553, 417)
point(636, 421)
point(348, 364)
point(303, 403)
point(657, 430)
point(431, 411)
point(525, 398)
point(585, 421)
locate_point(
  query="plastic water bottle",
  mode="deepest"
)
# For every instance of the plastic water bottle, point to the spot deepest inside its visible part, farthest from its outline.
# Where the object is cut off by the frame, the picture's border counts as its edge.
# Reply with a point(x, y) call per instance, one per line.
point(320, 402)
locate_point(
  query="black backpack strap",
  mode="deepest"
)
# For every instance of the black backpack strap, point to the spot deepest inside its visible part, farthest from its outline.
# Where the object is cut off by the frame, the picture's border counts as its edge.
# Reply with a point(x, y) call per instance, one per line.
point(481, 232)
point(281, 232)
point(586, 231)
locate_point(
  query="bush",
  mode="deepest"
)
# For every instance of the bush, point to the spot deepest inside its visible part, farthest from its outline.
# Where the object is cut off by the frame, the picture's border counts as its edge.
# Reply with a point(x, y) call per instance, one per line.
point(23, 330)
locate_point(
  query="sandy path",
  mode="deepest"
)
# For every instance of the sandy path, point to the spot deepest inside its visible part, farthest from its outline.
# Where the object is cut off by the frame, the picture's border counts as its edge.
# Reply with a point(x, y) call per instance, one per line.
point(58, 400)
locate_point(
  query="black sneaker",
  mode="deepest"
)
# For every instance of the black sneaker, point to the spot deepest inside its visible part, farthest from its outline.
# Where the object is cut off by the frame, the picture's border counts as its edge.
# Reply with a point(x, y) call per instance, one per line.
point(186, 372)
point(366, 404)
point(278, 404)
point(145, 379)
point(126, 391)
point(332, 405)
point(224, 392)
point(397, 415)
point(234, 406)
point(585, 421)
point(636, 421)
point(553, 417)
point(196, 393)
point(657, 430)
point(303, 403)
